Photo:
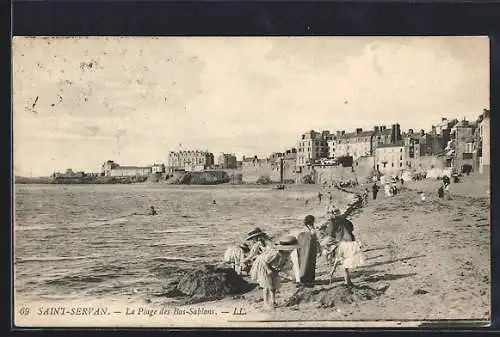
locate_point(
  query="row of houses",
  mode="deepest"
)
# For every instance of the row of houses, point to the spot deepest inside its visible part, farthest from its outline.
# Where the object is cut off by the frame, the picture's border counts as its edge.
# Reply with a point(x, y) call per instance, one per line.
point(461, 145)
point(177, 161)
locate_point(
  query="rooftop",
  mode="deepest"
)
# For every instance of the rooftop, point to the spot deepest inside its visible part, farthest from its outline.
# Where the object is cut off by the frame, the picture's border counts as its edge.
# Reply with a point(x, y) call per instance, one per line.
point(132, 167)
point(399, 144)
point(355, 135)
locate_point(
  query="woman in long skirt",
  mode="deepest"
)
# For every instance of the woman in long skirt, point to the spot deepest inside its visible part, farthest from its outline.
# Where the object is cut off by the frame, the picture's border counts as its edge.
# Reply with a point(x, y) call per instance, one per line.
point(307, 252)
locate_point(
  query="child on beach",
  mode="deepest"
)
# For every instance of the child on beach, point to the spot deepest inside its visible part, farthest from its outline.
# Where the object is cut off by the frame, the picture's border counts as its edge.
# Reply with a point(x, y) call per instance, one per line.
point(341, 246)
point(268, 265)
point(235, 255)
point(259, 240)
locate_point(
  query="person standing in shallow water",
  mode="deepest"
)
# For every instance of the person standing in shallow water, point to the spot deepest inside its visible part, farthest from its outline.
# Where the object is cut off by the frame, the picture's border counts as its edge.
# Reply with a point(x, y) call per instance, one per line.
point(308, 249)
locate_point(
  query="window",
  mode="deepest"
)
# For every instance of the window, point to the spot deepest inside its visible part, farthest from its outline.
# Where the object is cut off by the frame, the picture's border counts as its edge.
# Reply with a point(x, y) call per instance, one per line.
point(468, 147)
point(392, 164)
point(400, 157)
point(400, 150)
point(400, 164)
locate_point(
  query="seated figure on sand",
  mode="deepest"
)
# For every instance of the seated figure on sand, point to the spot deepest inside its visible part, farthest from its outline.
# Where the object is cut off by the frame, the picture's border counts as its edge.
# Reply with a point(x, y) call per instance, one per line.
point(268, 265)
point(341, 247)
point(235, 255)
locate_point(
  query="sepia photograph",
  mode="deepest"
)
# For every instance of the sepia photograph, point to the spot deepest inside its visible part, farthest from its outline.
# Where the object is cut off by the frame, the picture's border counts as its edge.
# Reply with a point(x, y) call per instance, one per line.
point(251, 181)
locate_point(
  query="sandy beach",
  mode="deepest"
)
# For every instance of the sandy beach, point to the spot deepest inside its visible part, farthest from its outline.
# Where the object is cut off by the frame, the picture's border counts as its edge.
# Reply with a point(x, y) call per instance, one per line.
point(425, 260)
point(432, 256)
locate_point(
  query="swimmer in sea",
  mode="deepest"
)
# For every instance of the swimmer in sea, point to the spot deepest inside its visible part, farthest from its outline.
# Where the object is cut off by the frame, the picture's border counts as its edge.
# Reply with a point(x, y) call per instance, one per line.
point(152, 211)
point(214, 202)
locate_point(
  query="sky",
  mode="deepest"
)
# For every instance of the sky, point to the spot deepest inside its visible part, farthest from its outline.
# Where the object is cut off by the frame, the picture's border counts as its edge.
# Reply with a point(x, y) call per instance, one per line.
point(79, 101)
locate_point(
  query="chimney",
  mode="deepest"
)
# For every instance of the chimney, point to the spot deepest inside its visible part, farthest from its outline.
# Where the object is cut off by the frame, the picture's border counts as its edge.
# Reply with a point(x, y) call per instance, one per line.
point(410, 131)
point(359, 130)
point(376, 129)
point(342, 132)
point(422, 132)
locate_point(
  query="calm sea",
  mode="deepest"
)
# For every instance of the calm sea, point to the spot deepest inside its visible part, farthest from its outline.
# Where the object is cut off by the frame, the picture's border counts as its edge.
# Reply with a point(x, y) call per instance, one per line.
point(79, 241)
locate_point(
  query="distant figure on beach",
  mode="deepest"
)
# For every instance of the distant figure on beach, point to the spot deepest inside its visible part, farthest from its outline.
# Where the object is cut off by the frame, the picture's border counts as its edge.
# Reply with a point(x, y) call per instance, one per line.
point(268, 265)
point(375, 190)
point(258, 241)
point(307, 252)
point(307, 201)
point(319, 197)
point(214, 202)
point(441, 192)
point(447, 192)
point(387, 189)
point(402, 181)
point(341, 246)
point(394, 189)
point(446, 180)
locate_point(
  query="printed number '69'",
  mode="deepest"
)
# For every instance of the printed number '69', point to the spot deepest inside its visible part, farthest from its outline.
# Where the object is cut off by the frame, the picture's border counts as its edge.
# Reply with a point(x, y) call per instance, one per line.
point(24, 311)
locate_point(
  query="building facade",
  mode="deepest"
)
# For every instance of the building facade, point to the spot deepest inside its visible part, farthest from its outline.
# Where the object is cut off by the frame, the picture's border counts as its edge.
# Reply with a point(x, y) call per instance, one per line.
point(311, 147)
point(411, 142)
point(112, 169)
point(158, 168)
point(190, 160)
point(355, 144)
point(227, 161)
point(460, 148)
point(483, 146)
point(390, 158)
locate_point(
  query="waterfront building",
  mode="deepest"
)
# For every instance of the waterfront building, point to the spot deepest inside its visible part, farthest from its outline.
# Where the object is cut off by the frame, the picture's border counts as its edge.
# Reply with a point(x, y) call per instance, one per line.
point(460, 147)
point(483, 144)
point(227, 161)
point(190, 160)
point(112, 169)
point(158, 168)
point(311, 147)
point(390, 158)
point(411, 142)
point(354, 144)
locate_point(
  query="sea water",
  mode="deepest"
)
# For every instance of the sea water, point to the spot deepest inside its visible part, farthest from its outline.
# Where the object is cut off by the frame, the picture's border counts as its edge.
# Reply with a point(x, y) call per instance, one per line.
point(80, 241)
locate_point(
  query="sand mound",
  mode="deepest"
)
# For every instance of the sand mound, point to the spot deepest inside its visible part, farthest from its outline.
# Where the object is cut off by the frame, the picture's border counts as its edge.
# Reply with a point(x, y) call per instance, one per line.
point(207, 284)
point(330, 297)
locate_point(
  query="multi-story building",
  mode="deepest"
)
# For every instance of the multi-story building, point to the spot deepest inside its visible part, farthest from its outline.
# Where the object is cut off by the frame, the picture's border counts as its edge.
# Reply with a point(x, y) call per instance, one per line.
point(381, 135)
point(227, 161)
point(411, 141)
point(460, 148)
point(355, 144)
point(483, 144)
point(311, 147)
point(112, 169)
point(384, 136)
point(390, 158)
point(190, 160)
point(158, 168)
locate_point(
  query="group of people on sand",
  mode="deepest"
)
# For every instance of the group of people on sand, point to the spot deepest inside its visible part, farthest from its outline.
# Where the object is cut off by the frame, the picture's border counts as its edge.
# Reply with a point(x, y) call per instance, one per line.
point(266, 260)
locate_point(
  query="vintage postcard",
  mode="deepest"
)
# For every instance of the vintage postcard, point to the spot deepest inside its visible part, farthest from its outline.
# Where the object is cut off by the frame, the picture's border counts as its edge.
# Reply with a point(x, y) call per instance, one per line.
point(251, 182)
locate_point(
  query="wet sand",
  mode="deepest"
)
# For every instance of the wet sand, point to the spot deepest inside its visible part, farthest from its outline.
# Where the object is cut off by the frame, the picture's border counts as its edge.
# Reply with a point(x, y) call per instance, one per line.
point(430, 260)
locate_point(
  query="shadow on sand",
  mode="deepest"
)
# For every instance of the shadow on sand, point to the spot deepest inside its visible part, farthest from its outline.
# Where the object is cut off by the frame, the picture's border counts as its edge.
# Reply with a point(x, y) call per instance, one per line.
point(393, 261)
